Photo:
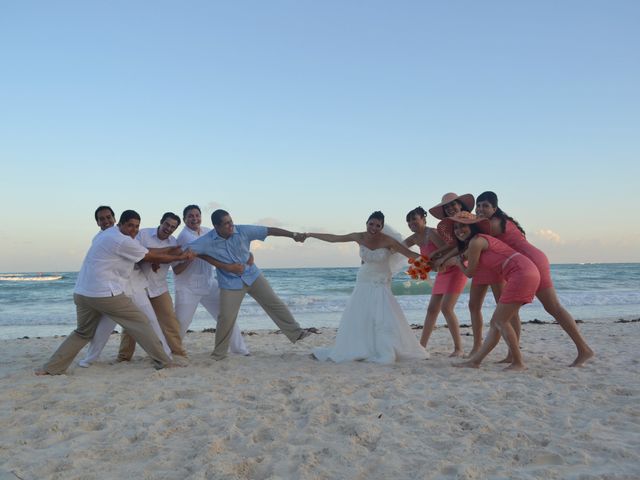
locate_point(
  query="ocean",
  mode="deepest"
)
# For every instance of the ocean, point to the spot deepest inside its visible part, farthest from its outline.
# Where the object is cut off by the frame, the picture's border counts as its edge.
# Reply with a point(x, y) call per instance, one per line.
point(41, 304)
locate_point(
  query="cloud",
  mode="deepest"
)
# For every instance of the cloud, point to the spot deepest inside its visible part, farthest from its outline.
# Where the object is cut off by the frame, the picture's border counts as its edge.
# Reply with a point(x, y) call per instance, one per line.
point(549, 235)
point(269, 222)
point(214, 206)
point(257, 245)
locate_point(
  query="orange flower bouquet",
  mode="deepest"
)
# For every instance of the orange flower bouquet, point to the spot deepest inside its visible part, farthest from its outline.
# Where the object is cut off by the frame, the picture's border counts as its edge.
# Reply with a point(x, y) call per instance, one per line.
point(419, 268)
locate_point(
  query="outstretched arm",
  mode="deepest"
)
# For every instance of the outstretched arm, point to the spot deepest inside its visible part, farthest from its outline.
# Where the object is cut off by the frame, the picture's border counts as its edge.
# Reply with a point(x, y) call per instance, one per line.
point(281, 232)
point(329, 237)
point(396, 246)
point(167, 255)
point(410, 241)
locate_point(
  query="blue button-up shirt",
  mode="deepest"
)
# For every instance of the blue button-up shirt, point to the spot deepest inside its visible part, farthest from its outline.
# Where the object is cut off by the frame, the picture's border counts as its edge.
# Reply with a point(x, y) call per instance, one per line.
point(234, 249)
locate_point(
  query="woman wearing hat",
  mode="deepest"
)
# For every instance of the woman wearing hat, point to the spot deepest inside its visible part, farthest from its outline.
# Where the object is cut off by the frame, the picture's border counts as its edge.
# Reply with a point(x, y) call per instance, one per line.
point(481, 280)
point(509, 231)
point(486, 253)
point(449, 283)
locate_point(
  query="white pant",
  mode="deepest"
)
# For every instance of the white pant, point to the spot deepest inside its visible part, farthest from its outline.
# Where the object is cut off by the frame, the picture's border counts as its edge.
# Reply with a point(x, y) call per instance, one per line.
point(186, 304)
point(106, 326)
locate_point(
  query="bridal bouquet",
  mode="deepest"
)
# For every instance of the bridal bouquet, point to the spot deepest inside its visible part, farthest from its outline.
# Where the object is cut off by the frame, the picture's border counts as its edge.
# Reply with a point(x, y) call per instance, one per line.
point(419, 268)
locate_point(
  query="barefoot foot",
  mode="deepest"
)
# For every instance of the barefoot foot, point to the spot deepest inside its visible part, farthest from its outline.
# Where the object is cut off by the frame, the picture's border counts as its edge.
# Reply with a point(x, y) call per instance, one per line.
point(467, 364)
point(456, 353)
point(582, 358)
point(506, 359)
point(40, 372)
point(515, 367)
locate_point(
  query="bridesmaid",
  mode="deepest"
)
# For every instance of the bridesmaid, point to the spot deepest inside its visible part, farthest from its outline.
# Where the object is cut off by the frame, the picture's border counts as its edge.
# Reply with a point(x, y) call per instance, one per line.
point(449, 283)
point(450, 205)
point(506, 229)
point(484, 252)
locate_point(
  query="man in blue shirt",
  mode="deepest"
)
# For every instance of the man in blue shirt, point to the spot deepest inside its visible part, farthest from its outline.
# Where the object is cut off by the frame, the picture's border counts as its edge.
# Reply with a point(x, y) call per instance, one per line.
point(229, 244)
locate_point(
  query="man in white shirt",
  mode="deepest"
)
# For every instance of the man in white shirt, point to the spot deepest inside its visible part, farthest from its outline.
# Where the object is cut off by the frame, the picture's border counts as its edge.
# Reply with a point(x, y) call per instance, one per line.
point(196, 284)
point(136, 289)
point(105, 218)
point(158, 290)
point(100, 291)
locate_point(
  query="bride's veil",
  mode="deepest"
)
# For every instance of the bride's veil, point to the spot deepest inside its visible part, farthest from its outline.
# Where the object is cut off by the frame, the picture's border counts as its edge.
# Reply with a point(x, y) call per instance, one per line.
point(397, 261)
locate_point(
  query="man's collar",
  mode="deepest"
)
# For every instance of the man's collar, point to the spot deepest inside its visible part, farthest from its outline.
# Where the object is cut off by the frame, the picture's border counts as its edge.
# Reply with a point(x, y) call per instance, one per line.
point(214, 233)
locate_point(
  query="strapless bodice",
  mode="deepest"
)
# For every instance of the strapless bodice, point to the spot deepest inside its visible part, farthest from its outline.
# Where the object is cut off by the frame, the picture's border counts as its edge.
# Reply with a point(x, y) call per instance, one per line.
point(375, 268)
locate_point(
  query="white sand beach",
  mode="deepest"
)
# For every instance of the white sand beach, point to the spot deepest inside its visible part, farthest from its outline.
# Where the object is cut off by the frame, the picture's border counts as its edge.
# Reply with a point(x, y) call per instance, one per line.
point(279, 414)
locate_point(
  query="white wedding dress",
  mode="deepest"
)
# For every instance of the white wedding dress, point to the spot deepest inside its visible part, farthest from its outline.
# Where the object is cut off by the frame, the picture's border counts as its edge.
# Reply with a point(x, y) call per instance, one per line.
point(373, 327)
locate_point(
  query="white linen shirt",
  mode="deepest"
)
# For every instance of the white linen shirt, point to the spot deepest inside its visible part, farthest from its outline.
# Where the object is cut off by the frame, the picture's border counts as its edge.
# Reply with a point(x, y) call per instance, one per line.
point(137, 282)
point(198, 277)
point(158, 285)
point(108, 264)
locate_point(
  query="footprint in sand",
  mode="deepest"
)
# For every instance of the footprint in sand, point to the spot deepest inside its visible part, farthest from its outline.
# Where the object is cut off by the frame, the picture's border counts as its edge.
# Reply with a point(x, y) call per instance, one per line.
point(548, 459)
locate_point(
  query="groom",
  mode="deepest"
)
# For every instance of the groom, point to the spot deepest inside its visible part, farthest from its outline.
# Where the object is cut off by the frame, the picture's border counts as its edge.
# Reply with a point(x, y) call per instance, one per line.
point(229, 243)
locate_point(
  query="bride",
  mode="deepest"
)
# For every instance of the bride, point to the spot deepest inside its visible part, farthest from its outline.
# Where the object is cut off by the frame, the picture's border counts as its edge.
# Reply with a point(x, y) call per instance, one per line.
point(373, 327)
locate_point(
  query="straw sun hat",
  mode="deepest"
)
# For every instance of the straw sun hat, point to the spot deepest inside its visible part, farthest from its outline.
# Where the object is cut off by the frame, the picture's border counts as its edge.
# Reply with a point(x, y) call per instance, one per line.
point(466, 218)
point(438, 211)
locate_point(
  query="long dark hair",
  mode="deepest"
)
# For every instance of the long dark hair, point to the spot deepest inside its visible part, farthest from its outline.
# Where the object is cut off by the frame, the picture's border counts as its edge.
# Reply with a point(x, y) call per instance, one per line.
point(463, 244)
point(492, 198)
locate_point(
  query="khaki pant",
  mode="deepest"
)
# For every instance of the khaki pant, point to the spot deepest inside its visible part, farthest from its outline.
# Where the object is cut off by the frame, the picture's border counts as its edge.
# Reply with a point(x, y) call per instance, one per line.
point(163, 306)
point(121, 309)
point(169, 324)
point(262, 293)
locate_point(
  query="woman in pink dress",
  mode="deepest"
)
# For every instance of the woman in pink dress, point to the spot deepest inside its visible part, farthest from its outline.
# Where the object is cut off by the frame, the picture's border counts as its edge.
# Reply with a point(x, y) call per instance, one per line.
point(450, 205)
point(486, 253)
point(449, 283)
point(506, 229)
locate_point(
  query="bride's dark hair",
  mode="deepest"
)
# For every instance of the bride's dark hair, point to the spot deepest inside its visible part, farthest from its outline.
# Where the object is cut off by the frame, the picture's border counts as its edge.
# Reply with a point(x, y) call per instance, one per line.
point(419, 211)
point(378, 215)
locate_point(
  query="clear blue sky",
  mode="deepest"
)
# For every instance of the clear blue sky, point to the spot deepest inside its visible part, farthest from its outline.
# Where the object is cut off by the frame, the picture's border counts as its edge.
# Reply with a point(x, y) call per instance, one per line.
point(311, 114)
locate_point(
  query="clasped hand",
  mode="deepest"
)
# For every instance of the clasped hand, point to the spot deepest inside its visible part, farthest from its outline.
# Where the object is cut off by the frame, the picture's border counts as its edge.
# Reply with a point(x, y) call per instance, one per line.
point(299, 237)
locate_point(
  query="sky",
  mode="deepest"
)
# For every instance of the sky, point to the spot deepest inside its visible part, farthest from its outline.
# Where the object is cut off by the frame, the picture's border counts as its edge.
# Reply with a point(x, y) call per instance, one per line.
point(309, 115)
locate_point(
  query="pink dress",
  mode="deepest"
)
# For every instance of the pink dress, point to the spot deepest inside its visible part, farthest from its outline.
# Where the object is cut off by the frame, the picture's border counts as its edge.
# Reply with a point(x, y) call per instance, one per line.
point(486, 277)
point(513, 237)
point(450, 280)
point(520, 273)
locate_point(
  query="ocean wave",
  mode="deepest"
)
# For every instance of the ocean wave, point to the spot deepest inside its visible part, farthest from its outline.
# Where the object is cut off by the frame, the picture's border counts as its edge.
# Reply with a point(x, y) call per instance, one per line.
point(23, 278)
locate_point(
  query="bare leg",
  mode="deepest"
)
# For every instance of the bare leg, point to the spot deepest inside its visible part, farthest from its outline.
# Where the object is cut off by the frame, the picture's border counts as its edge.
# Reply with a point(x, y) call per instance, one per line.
point(489, 343)
point(500, 326)
point(448, 307)
point(515, 320)
point(433, 310)
point(505, 323)
point(476, 298)
point(551, 304)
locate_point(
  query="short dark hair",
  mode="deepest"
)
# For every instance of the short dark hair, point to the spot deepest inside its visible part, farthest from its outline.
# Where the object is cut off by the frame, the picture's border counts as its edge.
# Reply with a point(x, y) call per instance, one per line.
point(419, 211)
point(128, 215)
point(190, 207)
point(170, 215)
point(103, 207)
point(216, 217)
